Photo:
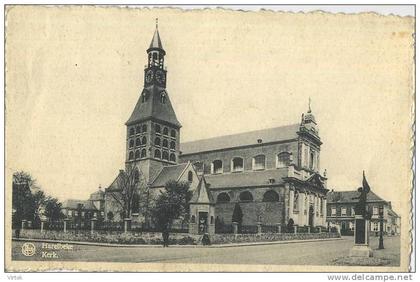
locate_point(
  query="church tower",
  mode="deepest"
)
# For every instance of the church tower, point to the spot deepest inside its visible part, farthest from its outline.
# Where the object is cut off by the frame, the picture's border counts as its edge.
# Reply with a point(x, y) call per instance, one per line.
point(153, 128)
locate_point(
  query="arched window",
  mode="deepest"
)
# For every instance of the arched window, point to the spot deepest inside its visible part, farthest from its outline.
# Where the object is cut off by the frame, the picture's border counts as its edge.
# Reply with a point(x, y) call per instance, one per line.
point(246, 196)
point(143, 153)
point(131, 155)
point(258, 162)
point(271, 196)
point(157, 154)
point(172, 157)
point(163, 97)
point(137, 155)
point(131, 143)
point(138, 142)
point(144, 140)
point(144, 128)
point(157, 128)
point(173, 133)
point(311, 160)
point(138, 129)
point(165, 155)
point(237, 164)
point(283, 159)
point(217, 166)
point(132, 131)
point(157, 141)
point(135, 208)
point(190, 176)
point(165, 131)
point(223, 198)
point(165, 143)
point(173, 145)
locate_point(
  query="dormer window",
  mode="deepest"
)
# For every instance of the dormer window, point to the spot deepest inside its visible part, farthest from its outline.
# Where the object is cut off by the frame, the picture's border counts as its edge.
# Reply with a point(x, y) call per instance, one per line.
point(165, 131)
point(173, 133)
point(144, 97)
point(163, 98)
point(132, 131)
point(157, 128)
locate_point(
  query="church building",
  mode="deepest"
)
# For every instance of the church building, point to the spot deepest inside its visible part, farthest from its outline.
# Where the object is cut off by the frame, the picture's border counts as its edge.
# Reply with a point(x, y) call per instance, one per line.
point(273, 174)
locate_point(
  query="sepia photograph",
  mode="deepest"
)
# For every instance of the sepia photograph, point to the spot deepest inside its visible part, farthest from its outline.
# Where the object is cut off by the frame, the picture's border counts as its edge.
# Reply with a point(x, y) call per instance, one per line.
point(167, 139)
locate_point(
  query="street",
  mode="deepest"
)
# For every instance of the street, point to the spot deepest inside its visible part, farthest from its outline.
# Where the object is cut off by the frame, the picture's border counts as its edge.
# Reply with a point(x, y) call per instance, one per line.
point(303, 253)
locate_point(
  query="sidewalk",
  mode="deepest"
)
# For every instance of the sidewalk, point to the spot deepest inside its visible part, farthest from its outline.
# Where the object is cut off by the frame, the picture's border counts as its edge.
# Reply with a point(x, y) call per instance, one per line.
point(174, 246)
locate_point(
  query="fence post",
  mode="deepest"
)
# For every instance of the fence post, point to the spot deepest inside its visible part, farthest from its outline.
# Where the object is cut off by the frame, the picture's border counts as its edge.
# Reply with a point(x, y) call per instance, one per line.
point(279, 227)
point(92, 225)
point(320, 229)
point(42, 226)
point(23, 224)
point(65, 225)
point(295, 229)
point(126, 224)
point(259, 227)
point(235, 227)
point(309, 229)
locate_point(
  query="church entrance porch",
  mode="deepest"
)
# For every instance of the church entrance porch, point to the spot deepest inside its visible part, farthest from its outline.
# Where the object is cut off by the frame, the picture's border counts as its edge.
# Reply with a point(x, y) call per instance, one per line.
point(202, 222)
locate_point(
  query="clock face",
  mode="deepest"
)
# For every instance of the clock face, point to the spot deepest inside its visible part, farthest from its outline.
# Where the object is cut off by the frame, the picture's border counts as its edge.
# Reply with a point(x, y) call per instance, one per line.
point(160, 76)
point(149, 76)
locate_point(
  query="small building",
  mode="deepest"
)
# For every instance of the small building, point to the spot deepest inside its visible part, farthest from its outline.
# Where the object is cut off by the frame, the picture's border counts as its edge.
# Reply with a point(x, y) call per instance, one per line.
point(341, 211)
point(82, 211)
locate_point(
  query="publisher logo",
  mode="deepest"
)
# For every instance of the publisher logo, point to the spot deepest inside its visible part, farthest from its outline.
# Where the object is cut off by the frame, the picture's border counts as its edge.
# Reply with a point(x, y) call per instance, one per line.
point(28, 249)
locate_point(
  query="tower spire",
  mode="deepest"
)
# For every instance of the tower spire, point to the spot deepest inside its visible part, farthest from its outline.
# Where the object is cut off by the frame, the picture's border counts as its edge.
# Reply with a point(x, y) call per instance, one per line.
point(309, 105)
point(157, 23)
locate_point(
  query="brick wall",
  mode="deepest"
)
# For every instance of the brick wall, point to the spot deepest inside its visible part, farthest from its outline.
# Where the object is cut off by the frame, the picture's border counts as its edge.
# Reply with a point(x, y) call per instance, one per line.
point(269, 150)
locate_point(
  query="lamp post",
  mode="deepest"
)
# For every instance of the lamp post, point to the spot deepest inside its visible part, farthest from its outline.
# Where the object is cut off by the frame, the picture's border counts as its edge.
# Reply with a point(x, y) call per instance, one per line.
point(381, 228)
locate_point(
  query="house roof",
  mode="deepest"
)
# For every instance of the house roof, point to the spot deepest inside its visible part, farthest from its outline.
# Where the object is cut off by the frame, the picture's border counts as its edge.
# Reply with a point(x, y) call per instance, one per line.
point(246, 178)
point(152, 108)
point(168, 173)
point(73, 204)
point(242, 139)
point(96, 196)
point(349, 197)
point(393, 213)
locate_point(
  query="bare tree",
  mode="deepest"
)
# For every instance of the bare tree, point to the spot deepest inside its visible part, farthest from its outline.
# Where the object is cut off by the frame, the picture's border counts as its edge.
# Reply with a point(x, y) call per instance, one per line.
point(133, 191)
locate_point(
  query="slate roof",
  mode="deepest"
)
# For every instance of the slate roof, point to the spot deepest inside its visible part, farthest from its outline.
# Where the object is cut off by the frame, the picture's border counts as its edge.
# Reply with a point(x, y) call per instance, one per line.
point(242, 139)
point(72, 204)
point(96, 196)
point(156, 42)
point(201, 194)
point(246, 178)
point(168, 173)
point(114, 184)
point(153, 108)
point(347, 197)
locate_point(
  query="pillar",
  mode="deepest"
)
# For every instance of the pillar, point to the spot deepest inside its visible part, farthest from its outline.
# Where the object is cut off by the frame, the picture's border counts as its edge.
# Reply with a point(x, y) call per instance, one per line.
point(320, 229)
point(291, 199)
point(23, 224)
point(126, 224)
point(279, 227)
point(295, 229)
point(235, 227)
point(259, 227)
point(65, 225)
point(309, 229)
point(42, 226)
point(92, 225)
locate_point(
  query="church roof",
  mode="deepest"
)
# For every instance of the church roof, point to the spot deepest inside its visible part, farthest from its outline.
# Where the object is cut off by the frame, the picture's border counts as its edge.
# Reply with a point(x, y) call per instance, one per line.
point(201, 195)
point(114, 185)
point(269, 135)
point(169, 173)
point(97, 196)
point(246, 178)
point(153, 108)
point(156, 42)
point(73, 204)
point(348, 197)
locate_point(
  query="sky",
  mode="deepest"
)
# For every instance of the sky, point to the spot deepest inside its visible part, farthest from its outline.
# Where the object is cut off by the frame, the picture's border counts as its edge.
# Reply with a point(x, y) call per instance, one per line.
point(73, 76)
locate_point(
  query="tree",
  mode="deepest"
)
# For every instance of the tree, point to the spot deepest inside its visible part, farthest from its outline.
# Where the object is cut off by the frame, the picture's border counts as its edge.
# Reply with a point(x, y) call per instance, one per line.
point(237, 214)
point(172, 203)
point(133, 191)
point(24, 205)
point(53, 209)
